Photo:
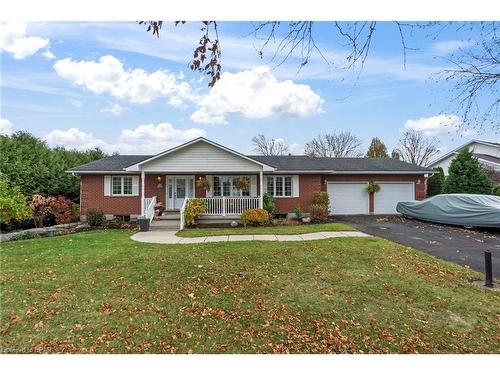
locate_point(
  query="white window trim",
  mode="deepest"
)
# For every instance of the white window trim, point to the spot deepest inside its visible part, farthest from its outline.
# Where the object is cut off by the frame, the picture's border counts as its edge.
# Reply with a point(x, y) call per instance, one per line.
point(122, 186)
point(231, 178)
point(274, 186)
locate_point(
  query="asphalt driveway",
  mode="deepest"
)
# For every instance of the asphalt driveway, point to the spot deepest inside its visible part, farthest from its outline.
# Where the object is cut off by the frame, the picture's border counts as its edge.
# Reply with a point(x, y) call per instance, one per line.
point(454, 244)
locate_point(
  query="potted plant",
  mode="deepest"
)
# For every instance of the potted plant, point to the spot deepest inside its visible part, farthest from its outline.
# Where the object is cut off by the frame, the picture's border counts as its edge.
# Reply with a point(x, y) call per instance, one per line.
point(159, 208)
point(242, 183)
point(372, 187)
point(144, 223)
point(203, 183)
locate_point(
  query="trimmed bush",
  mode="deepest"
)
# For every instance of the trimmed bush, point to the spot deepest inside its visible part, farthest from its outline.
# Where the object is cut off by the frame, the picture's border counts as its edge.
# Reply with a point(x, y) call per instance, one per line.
point(194, 208)
point(95, 217)
point(318, 213)
point(321, 198)
point(24, 236)
point(435, 182)
point(255, 217)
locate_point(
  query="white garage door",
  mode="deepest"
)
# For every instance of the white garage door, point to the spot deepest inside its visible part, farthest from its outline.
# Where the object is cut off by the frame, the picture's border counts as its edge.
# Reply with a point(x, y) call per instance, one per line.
point(348, 198)
point(390, 194)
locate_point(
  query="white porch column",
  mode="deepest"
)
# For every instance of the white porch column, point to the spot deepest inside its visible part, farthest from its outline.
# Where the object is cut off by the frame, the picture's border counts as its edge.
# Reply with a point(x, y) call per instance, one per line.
point(261, 199)
point(143, 175)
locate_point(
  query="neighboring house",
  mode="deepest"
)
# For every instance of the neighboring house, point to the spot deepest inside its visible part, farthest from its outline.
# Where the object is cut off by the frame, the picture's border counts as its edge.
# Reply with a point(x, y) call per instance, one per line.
point(130, 185)
point(488, 154)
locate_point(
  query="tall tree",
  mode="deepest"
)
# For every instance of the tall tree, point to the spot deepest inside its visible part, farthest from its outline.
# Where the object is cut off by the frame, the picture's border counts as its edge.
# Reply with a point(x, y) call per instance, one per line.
point(415, 148)
point(35, 168)
point(466, 175)
point(334, 145)
point(13, 205)
point(377, 149)
point(395, 155)
point(435, 182)
point(269, 147)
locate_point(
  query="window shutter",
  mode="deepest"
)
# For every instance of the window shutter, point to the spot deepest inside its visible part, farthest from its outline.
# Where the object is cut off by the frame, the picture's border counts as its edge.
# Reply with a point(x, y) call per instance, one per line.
point(295, 185)
point(210, 179)
point(135, 185)
point(107, 186)
point(253, 186)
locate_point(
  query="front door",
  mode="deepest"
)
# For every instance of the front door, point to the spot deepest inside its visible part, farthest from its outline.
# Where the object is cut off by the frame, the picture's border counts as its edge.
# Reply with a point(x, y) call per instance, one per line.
point(179, 188)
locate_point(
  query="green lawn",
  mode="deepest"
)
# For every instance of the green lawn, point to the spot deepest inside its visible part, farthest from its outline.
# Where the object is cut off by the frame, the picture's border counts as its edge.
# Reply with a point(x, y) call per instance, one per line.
point(281, 229)
point(101, 292)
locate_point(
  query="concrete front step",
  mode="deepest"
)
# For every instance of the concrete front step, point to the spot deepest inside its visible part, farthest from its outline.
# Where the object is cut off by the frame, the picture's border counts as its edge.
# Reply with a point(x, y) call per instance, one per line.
point(164, 225)
point(170, 217)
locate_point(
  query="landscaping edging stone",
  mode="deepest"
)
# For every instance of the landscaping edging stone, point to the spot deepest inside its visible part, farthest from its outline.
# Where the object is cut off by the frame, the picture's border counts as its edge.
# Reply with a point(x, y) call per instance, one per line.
point(57, 230)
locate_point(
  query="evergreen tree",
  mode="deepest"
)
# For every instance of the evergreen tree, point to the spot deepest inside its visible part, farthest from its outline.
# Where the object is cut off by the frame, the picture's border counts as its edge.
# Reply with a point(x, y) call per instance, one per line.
point(466, 175)
point(395, 155)
point(435, 182)
point(377, 149)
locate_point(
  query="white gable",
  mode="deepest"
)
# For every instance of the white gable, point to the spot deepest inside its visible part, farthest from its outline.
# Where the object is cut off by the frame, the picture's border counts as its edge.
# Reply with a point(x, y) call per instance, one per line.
point(201, 157)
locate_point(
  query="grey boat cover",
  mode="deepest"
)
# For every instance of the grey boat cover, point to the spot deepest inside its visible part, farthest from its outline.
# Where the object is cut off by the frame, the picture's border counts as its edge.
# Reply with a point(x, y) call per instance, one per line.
point(474, 210)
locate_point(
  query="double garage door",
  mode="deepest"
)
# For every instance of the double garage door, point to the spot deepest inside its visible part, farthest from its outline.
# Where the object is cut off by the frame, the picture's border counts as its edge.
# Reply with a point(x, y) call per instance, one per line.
point(351, 198)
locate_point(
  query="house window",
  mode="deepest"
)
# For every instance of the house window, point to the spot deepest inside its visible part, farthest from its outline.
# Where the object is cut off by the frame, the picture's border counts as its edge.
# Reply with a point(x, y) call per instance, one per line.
point(226, 186)
point(279, 186)
point(121, 185)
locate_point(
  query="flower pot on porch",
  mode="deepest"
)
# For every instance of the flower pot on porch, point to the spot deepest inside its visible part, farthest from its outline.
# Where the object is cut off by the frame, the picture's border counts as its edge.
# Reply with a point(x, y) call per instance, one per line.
point(144, 224)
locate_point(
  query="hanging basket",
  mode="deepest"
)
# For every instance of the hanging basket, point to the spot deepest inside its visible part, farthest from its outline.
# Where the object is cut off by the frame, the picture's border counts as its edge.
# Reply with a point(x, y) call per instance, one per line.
point(203, 183)
point(372, 187)
point(242, 184)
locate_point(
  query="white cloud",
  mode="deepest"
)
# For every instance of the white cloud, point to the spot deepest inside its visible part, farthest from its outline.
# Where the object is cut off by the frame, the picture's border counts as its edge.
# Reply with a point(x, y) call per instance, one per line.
point(138, 86)
point(468, 133)
point(435, 125)
point(144, 139)
point(48, 55)
point(75, 103)
point(74, 138)
point(13, 40)
point(256, 93)
point(5, 126)
point(115, 109)
point(446, 47)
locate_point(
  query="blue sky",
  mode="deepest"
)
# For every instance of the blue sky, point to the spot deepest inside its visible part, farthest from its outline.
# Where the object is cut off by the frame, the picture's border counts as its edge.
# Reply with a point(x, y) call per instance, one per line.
point(114, 86)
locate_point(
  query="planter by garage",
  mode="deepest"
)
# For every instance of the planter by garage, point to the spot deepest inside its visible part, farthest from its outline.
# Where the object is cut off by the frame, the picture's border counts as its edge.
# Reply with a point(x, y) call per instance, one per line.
point(144, 224)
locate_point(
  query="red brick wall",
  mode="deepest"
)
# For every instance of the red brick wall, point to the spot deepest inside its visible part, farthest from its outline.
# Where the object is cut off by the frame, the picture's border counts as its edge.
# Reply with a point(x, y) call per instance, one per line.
point(151, 188)
point(308, 185)
point(92, 196)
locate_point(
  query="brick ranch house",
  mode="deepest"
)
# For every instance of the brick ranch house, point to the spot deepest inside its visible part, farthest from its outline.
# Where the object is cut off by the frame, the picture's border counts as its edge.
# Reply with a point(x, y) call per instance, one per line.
point(130, 185)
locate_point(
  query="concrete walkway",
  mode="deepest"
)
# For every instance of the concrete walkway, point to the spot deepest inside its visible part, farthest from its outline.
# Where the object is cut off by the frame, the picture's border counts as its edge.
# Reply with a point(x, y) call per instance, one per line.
point(171, 238)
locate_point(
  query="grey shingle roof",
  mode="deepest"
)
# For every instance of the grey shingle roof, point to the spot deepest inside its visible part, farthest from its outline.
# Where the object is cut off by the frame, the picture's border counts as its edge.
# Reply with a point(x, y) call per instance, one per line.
point(110, 163)
point(281, 163)
point(306, 163)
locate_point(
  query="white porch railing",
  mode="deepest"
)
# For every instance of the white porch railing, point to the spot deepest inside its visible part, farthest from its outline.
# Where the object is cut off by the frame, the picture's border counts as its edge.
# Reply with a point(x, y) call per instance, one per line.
point(149, 208)
point(223, 206)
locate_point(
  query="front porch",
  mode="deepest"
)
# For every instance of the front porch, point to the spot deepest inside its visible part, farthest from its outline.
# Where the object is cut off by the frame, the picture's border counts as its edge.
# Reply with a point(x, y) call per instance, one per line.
point(227, 196)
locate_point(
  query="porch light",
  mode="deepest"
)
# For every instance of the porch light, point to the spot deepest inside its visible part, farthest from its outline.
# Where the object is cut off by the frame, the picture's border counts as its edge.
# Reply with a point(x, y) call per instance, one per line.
point(159, 185)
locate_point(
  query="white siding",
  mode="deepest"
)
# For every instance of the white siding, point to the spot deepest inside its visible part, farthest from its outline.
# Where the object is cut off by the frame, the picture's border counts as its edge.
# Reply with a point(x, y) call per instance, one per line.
point(201, 157)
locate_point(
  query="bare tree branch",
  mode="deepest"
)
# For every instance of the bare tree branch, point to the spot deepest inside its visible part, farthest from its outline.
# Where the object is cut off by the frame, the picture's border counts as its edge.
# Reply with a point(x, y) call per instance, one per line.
point(269, 147)
point(415, 148)
point(334, 145)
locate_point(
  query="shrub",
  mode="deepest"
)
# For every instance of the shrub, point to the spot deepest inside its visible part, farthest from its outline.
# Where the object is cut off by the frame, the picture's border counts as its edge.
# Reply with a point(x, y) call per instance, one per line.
point(318, 213)
point(41, 206)
point(194, 208)
point(435, 182)
point(64, 211)
point(255, 217)
point(269, 204)
point(95, 217)
point(496, 190)
point(297, 212)
point(12, 202)
point(321, 198)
